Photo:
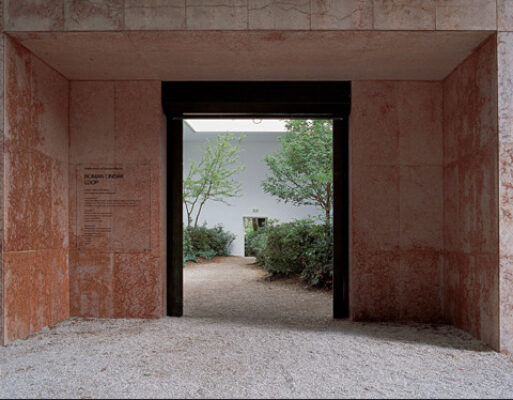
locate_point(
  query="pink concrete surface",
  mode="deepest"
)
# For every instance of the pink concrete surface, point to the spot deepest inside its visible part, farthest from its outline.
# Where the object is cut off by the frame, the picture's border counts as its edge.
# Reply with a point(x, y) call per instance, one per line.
point(466, 14)
point(1, 184)
point(253, 55)
point(278, 14)
point(470, 272)
point(423, 181)
point(334, 14)
point(56, 15)
point(396, 200)
point(505, 15)
point(404, 14)
point(34, 15)
point(505, 201)
point(35, 212)
point(82, 15)
point(217, 14)
point(154, 14)
point(122, 276)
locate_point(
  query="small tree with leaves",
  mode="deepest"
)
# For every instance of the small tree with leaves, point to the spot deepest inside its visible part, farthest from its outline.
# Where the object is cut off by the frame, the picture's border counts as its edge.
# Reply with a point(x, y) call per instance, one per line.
point(302, 171)
point(213, 177)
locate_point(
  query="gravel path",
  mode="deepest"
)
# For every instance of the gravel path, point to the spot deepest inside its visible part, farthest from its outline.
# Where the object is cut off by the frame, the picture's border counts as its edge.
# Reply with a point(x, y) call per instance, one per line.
point(243, 336)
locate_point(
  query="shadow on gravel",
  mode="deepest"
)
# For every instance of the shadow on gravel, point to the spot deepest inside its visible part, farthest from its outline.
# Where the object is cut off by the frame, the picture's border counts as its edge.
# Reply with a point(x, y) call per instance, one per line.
point(234, 291)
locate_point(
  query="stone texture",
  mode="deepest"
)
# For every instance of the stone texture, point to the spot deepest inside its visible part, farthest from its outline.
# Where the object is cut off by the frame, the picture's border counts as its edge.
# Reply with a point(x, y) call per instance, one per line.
point(217, 14)
point(335, 14)
point(505, 15)
point(130, 262)
point(279, 14)
point(35, 212)
point(505, 163)
point(419, 281)
point(92, 122)
point(261, 55)
point(33, 15)
point(49, 91)
point(421, 207)
point(470, 295)
point(37, 291)
point(154, 14)
point(375, 272)
point(466, 14)
point(404, 14)
point(396, 201)
point(374, 218)
point(17, 298)
point(137, 283)
point(17, 104)
point(17, 212)
point(91, 275)
point(1, 182)
point(80, 15)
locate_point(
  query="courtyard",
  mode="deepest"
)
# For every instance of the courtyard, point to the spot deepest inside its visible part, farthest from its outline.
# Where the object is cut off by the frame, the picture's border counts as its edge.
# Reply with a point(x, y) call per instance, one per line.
point(245, 336)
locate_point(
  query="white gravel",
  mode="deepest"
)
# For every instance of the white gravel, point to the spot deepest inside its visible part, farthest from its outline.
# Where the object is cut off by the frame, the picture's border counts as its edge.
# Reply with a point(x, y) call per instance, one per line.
point(243, 336)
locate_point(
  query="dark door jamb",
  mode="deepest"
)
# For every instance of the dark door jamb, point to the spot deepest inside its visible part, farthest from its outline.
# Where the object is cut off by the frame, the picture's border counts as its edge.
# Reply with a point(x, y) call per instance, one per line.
point(319, 100)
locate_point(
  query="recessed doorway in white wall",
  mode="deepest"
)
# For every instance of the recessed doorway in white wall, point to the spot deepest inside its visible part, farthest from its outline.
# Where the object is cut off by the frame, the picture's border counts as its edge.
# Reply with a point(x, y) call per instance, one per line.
point(252, 226)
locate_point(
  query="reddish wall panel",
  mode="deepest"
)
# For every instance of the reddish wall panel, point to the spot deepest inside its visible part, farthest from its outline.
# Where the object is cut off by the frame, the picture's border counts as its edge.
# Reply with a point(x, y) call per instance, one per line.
point(118, 124)
point(396, 200)
point(470, 273)
point(35, 213)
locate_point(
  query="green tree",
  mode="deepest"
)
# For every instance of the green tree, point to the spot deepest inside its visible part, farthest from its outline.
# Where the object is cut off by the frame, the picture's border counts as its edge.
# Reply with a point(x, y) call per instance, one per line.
point(302, 171)
point(213, 177)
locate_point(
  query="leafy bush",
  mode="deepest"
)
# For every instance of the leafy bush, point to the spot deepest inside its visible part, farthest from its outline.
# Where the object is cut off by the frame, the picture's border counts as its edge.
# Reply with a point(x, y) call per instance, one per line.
point(318, 270)
point(301, 248)
point(206, 242)
point(188, 250)
point(255, 242)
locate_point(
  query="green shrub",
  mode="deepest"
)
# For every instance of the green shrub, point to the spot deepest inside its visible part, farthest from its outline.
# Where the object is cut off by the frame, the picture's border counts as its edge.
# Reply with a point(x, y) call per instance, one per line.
point(301, 248)
point(318, 270)
point(254, 244)
point(206, 242)
point(188, 250)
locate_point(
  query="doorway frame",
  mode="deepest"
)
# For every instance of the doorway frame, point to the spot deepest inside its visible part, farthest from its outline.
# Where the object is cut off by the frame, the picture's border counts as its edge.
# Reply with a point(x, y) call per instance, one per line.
point(257, 100)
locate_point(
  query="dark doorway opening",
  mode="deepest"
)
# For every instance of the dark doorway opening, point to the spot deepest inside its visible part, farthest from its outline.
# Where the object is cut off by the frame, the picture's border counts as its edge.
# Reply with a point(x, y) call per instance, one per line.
point(287, 100)
point(254, 222)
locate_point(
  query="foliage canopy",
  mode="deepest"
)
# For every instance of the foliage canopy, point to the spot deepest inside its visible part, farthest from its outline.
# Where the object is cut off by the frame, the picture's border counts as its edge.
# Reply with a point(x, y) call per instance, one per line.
point(302, 171)
point(213, 177)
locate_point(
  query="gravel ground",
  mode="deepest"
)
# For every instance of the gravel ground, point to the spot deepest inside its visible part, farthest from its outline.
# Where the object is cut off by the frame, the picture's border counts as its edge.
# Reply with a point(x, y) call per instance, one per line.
point(243, 336)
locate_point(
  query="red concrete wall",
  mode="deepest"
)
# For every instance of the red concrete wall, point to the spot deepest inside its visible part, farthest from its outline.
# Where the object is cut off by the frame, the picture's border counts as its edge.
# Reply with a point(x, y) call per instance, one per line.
point(470, 273)
point(423, 192)
point(119, 124)
point(396, 196)
point(35, 212)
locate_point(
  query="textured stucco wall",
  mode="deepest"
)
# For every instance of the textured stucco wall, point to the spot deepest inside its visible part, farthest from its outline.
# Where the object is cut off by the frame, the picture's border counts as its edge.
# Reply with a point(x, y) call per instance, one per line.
point(505, 200)
point(79, 15)
point(1, 185)
point(470, 274)
point(35, 177)
point(119, 124)
point(23, 215)
point(396, 200)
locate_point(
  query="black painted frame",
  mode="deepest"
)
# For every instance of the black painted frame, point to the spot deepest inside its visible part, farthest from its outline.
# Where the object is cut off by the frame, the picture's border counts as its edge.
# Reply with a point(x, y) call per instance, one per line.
point(319, 100)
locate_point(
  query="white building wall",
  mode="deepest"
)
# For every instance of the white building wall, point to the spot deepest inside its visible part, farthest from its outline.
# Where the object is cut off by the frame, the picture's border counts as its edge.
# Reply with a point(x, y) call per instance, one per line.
point(253, 202)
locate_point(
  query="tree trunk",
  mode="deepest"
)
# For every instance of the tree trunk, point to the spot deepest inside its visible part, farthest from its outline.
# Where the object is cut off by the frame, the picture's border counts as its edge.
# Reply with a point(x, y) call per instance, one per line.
point(198, 214)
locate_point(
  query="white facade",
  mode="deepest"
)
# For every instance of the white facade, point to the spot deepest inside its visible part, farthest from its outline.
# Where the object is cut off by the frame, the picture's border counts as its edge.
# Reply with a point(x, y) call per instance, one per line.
point(253, 202)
